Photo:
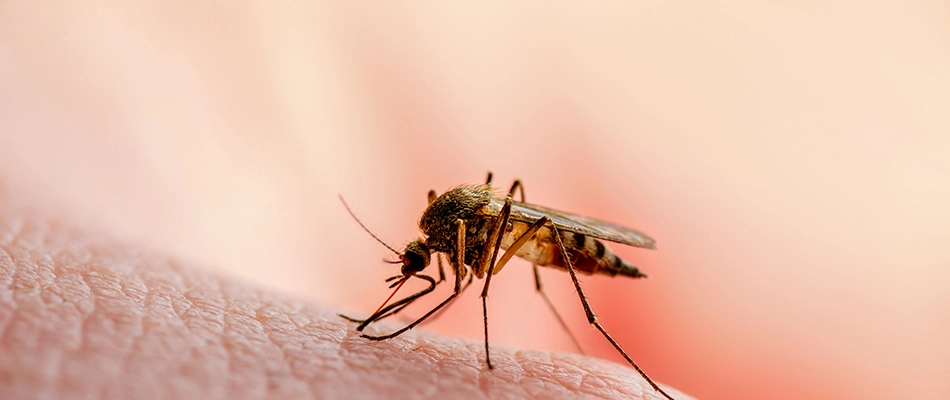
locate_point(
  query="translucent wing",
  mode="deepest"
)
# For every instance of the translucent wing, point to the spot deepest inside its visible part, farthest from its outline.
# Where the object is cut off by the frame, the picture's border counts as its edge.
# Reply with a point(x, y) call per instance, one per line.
point(600, 229)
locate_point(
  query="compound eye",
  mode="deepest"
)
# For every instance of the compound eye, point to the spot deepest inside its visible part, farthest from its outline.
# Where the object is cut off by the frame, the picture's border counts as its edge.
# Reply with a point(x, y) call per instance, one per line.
point(412, 263)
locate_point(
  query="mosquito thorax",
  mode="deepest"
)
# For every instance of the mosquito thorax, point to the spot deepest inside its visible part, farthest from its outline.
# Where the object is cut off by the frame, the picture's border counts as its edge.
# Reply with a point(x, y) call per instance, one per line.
point(438, 220)
point(415, 257)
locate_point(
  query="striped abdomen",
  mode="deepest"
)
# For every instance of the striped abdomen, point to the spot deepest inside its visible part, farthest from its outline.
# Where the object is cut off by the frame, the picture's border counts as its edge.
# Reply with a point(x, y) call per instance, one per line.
point(587, 254)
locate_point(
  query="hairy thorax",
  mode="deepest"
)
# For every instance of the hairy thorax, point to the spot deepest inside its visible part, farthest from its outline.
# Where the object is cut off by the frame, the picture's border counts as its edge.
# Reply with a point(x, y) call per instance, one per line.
point(440, 221)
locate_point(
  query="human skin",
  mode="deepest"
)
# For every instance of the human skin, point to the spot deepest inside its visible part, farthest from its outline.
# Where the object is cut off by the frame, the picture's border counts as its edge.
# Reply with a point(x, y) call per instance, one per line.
point(83, 316)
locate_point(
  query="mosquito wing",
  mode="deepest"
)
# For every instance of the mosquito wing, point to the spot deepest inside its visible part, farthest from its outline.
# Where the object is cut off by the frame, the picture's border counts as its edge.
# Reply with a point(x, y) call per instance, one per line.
point(600, 229)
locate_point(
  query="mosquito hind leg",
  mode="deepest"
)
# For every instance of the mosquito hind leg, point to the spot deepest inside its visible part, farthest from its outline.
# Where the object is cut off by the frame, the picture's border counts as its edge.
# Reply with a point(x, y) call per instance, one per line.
point(537, 286)
point(537, 277)
point(591, 318)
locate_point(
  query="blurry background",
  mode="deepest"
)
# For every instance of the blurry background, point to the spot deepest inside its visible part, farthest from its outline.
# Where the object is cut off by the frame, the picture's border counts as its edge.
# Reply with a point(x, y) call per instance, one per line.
point(791, 159)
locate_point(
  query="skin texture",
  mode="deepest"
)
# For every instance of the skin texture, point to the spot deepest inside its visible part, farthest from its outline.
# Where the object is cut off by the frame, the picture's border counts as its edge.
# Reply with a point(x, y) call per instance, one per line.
point(82, 316)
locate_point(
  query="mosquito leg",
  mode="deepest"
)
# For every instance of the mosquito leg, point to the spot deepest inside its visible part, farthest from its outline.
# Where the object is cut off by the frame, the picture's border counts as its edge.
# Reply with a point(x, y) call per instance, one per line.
point(416, 322)
point(351, 319)
point(394, 307)
point(469, 283)
point(394, 311)
point(442, 311)
point(537, 286)
point(431, 318)
point(435, 316)
point(438, 257)
point(592, 319)
point(497, 264)
point(537, 277)
point(459, 273)
point(495, 237)
point(397, 306)
point(403, 302)
point(384, 313)
point(515, 186)
point(525, 237)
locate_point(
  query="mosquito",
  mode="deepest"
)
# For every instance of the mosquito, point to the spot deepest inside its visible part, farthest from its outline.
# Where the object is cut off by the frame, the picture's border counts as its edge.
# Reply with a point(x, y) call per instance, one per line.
point(471, 224)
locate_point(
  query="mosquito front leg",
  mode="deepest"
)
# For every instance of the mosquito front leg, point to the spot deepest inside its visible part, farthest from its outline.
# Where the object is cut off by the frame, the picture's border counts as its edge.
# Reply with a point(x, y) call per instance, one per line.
point(591, 318)
point(397, 306)
point(394, 307)
point(459, 274)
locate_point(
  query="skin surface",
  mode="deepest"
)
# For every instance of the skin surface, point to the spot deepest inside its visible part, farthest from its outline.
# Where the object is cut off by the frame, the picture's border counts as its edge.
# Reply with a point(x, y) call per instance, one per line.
point(82, 316)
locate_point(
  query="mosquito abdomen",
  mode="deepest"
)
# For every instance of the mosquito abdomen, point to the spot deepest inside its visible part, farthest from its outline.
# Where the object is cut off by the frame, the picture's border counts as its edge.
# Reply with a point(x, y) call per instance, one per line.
point(591, 256)
point(588, 255)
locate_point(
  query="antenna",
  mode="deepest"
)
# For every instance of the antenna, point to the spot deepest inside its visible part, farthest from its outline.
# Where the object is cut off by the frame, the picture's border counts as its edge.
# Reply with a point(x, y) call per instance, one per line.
point(364, 226)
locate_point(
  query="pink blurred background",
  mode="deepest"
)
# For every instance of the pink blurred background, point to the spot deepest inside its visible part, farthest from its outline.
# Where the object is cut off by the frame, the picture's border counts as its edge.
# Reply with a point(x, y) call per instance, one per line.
point(790, 158)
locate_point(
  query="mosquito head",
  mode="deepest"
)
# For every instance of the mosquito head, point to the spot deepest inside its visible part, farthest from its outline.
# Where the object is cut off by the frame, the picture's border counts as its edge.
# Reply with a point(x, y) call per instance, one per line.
point(415, 257)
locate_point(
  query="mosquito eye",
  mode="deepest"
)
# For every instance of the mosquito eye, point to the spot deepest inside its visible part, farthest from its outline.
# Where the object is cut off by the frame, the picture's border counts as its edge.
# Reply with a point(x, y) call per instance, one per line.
point(413, 262)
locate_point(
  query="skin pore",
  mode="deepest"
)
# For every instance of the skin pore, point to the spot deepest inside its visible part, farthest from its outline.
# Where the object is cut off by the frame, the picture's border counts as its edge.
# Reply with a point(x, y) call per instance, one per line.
point(85, 316)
